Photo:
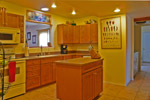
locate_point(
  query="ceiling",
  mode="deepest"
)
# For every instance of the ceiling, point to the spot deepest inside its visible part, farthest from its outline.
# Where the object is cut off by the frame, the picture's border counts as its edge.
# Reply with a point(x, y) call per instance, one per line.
point(89, 8)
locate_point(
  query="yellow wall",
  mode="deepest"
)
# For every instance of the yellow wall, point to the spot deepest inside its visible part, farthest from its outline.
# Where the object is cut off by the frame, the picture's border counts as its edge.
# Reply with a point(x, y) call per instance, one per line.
point(115, 59)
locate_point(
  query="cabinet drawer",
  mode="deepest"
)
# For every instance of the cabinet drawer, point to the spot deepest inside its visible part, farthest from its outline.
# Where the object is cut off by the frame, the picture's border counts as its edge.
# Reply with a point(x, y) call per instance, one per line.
point(57, 58)
point(33, 73)
point(33, 82)
point(68, 57)
point(46, 60)
point(31, 68)
point(33, 62)
point(91, 66)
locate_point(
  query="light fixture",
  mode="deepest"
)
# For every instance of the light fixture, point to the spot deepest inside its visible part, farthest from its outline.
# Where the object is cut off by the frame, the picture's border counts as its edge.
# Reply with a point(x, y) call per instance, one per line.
point(117, 10)
point(73, 12)
point(53, 5)
point(45, 9)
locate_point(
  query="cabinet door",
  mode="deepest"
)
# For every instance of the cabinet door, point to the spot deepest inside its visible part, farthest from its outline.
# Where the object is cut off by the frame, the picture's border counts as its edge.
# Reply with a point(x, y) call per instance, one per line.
point(94, 33)
point(98, 81)
point(60, 34)
point(46, 73)
point(11, 20)
point(2, 16)
point(33, 82)
point(76, 34)
point(85, 33)
point(87, 84)
point(67, 34)
point(21, 25)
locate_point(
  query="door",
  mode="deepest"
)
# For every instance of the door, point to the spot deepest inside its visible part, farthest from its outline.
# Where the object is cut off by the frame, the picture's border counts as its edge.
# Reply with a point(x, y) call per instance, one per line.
point(146, 47)
point(46, 73)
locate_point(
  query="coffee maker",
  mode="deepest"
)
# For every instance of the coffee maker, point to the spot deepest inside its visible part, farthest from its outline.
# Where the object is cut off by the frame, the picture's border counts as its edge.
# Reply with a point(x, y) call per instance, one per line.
point(64, 49)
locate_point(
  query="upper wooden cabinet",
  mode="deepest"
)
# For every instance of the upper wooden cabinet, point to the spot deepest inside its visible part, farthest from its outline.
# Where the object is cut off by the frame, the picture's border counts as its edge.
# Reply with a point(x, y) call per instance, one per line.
point(68, 34)
point(76, 34)
point(94, 33)
point(85, 33)
point(65, 34)
point(12, 20)
point(2, 16)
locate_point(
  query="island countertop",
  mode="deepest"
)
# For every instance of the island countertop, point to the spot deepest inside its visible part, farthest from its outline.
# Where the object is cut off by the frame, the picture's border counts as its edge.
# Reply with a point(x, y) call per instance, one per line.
point(78, 61)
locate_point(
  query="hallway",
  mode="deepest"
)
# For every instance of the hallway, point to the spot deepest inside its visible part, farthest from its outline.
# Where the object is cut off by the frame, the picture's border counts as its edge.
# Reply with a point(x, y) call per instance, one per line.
point(136, 90)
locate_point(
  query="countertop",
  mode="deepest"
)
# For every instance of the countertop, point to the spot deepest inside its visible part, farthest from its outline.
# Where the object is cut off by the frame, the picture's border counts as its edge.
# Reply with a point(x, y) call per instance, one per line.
point(47, 56)
point(78, 61)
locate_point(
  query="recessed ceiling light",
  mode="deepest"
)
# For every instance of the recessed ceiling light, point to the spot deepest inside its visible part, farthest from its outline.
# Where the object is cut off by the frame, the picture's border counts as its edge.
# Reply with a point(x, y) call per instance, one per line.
point(53, 5)
point(45, 9)
point(117, 10)
point(73, 12)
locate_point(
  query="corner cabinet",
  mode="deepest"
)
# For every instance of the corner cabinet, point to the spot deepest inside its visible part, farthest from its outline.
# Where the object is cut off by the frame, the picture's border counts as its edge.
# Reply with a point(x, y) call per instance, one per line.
point(12, 21)
point(69, 34)
point(79, 79)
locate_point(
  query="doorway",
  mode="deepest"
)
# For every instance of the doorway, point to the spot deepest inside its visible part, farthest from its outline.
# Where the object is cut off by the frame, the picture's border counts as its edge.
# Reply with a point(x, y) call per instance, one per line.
point(145, 45)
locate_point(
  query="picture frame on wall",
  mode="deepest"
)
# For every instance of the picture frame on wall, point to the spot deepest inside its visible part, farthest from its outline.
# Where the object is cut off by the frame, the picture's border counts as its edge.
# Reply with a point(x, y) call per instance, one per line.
point(111, 36)
point(29, 35)
point(34, 39)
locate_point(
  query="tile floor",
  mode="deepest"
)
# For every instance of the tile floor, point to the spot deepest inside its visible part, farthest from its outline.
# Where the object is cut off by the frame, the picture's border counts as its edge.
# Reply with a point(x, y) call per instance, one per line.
point(136, 90)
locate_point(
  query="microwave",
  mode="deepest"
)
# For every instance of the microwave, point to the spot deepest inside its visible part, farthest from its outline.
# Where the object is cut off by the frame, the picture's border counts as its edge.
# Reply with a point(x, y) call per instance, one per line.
point(9, 35)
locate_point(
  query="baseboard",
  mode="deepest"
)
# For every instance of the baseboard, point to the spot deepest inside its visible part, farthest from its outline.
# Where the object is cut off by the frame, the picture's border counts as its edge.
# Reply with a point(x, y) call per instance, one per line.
point(114, 83)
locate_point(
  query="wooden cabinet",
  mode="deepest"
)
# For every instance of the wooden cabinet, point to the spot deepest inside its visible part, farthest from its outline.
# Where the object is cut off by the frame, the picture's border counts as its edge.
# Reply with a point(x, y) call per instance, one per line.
point(76, 34)
point(79, 79)
point(33, 74)
point(21, 26)
point(94, 33)
point(12, 20)
point(2, 16)
point(54, 66)
point(68, 34)
point(65, 34)
point(68, 57)
point(85, 33)
point(92, 84)
point(46, 73)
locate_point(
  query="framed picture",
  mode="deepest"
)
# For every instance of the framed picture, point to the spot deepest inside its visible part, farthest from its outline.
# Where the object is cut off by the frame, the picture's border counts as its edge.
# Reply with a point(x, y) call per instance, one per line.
point(111, 36)
point(34, 39)
point(29, 35)
point(38, 17)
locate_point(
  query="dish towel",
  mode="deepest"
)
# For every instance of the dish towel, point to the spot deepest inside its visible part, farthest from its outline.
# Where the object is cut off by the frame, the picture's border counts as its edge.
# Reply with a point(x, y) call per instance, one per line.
point(12, 71)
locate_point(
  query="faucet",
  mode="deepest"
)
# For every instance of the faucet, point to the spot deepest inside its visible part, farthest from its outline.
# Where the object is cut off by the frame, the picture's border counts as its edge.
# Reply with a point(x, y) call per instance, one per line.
point(42, 54)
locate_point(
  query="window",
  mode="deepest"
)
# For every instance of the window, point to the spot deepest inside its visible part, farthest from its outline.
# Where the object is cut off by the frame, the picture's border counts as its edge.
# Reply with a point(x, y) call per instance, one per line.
point(44, 37)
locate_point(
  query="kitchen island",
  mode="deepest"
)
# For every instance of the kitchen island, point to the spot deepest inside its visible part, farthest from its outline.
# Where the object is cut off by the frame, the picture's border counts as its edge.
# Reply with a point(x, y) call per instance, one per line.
point(79, 79)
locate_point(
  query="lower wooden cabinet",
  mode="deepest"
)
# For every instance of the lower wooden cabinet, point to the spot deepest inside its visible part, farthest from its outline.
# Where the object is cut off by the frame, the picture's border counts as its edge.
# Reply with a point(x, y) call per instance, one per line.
point(92, 84)
point(76, 81)
point(33, 82)
point(46, 73)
